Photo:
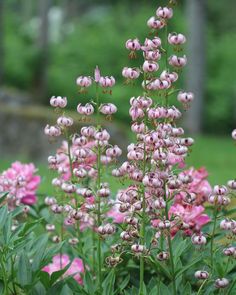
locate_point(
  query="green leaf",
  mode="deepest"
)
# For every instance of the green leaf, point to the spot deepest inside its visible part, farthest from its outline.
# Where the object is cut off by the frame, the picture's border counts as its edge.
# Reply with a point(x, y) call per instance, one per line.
point(144, 289)
point(220, 269)
point(77, 288)
point(3, 197)
point(28, 227)
point(122, 285)
point(108, 283)
point(152, 283)
point(154, 291)
point(16, 211)
point(187, 289)
point(56, 288)
point(38, 289)
point(39, 248)
point(3, 215)
point(24, 274)
point(1, 286)
point(50, 252)
point(89, 283)
point(162, 268)
point(164, 289)
point(44, 278)
point(7, 230)
point(57, 274)
point(181, 271)
point(66, 291)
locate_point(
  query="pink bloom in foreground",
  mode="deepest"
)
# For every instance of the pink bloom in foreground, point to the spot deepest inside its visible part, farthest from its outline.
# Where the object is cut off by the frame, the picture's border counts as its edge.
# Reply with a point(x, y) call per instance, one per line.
point(61, 261)
point(199, 185)
point(21, 183)
point(191, 215)
point(118, 217)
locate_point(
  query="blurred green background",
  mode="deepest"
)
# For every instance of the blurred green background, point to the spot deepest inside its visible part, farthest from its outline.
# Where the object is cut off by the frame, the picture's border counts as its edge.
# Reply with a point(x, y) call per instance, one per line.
point(46, 44)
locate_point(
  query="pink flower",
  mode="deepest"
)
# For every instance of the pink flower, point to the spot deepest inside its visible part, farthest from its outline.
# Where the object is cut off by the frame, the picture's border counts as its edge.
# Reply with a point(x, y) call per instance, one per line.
point(108, 109)
point(21, 183)
point(150, 66)
point(114, 212)
point(107, 81)
point(130, 73)
point(199, 185)
point(58, 101)
point(84, 81)
point(190, 214)
point(62, 164)
point(185, 97)
point(61, 261)
point(177, 62)
point(132, 44)
point(164, 12)
point(52, 130)
point(176, 39)
point(154, 23)
point(97, 74)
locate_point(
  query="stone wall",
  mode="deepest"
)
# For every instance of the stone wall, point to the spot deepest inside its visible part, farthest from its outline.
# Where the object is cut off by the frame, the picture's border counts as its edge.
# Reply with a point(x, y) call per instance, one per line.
point(22, 125)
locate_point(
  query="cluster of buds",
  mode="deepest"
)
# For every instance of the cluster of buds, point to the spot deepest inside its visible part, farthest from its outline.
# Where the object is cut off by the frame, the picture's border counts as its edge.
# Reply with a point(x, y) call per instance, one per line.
point(219, 196)
point(160, 144)
point(78, 163)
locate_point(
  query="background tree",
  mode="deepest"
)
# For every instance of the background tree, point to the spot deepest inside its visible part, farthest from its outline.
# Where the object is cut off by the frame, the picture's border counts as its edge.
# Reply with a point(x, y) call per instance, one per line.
point(1, 42)
point(41, 70)
point(196, 69)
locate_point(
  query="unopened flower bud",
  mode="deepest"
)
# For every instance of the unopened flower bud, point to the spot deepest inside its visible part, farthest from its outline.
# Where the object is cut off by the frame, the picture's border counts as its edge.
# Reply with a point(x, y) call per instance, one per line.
point(50, 201)
point(198, 239)
point(136, 248)
point(221, 283)
point(73, 241)
point(50, 227)
point(164, 224)
point(201, 275)
point(56, 239)
point(229, 251)
point(163, 256)
point(232, 184)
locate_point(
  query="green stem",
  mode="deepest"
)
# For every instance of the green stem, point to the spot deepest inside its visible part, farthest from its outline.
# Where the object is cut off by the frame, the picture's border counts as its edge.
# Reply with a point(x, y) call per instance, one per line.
point(94, 257)
point(142, 240)
point(201, 287)
point(99, 254)
point(212, 237)
point(143, 221)
point(62, 220)
point(166, 60)
point(69, 155)
point(170, 249)
point(12, 273)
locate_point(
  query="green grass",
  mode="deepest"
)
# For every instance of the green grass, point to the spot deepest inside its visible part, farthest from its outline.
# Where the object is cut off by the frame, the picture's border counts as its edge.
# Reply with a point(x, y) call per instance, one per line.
point(216, 154)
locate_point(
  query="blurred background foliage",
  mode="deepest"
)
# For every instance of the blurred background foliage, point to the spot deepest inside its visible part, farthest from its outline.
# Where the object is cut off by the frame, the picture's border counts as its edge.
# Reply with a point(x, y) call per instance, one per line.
point(81, 34)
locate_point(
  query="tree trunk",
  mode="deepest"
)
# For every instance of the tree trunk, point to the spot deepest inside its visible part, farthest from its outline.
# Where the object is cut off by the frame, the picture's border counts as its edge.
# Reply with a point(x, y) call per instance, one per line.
point(1, 42)
point(196, 67)
point(41, 75)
